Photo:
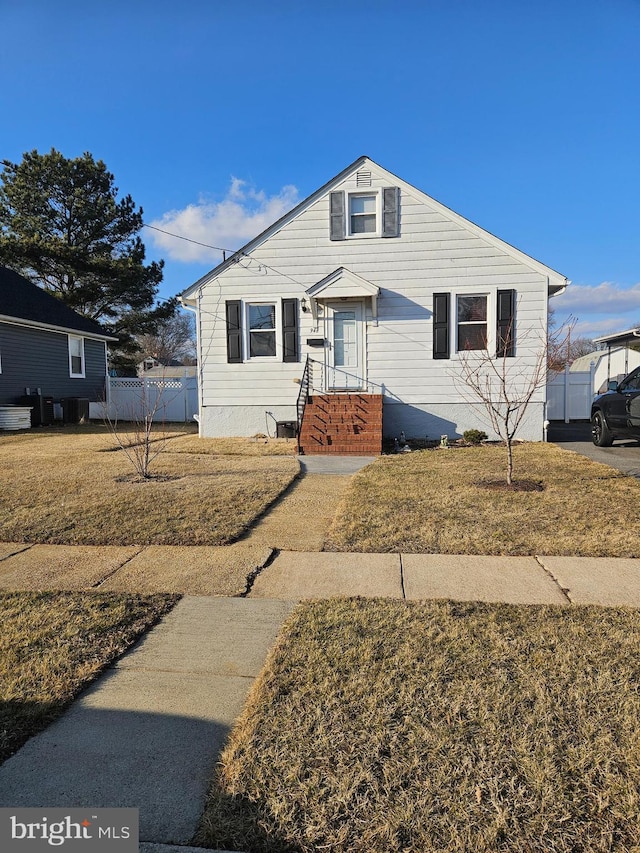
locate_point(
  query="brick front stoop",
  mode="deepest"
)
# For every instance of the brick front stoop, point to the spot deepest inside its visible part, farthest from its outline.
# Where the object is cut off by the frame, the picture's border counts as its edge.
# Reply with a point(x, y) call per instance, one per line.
point(342, 424)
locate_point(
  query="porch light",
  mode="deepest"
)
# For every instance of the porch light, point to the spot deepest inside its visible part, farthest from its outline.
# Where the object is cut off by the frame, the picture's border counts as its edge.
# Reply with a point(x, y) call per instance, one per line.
point(303, 304)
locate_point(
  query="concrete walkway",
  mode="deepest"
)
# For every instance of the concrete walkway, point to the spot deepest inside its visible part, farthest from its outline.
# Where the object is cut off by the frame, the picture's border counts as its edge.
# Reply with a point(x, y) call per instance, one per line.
point(148, 733)
point(609, 581)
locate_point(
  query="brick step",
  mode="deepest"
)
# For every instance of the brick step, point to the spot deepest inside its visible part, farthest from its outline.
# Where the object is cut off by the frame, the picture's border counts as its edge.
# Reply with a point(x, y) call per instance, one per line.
point(345, 424)
point(343, 417)
point(344, 398)
point(342, 429)
point(364, 450)
point(318, 441)
point(342, 413)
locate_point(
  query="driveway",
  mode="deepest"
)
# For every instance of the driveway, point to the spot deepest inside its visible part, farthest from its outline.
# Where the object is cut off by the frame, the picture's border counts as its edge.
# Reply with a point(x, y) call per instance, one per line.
point(576, 436)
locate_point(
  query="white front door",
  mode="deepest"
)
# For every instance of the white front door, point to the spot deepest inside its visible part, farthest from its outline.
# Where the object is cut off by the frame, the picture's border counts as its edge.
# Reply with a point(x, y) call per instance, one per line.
point(345, 351)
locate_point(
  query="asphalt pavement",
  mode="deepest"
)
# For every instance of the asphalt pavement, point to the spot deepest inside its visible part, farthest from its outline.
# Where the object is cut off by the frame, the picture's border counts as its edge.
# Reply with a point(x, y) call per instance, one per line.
point(624, 455)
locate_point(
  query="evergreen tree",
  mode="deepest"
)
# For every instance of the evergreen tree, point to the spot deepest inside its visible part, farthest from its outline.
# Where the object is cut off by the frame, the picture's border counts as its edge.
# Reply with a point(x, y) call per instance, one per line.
point(63, 227)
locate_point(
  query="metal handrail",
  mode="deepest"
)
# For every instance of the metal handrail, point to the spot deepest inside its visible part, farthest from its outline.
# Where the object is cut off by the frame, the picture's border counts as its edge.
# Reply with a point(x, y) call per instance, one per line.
point(303, 395)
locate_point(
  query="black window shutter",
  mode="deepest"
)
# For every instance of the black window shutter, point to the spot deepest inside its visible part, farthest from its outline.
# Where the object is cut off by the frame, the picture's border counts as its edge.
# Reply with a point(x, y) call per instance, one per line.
point(337, 222)
point(505, 332)
point(441, 325)
point(234, 331)
point(290, 330)
point(390, 211)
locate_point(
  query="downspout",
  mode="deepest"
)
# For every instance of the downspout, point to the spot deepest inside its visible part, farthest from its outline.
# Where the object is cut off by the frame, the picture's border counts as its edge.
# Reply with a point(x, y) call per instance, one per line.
point(196, 311)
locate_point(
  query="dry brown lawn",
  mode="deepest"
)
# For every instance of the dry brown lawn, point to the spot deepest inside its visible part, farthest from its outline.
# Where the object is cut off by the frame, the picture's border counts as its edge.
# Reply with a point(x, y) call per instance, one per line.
point(433, 501)
point(73, 486)
point(53, 643)
point(386, 726)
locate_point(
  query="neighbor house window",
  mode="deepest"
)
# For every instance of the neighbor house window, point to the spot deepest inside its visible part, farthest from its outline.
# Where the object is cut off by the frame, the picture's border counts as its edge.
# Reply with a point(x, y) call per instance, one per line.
point(261, 325)
point(472, 322)
point(363, 214)
point(76, 356)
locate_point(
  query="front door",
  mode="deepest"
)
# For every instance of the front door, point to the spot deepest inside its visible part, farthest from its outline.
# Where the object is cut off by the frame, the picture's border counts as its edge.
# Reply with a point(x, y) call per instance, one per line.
point(345, 351)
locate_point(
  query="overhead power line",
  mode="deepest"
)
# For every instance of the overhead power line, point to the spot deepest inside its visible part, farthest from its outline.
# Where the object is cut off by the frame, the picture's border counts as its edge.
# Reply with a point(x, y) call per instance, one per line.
point(188, 239)
point(237, 252)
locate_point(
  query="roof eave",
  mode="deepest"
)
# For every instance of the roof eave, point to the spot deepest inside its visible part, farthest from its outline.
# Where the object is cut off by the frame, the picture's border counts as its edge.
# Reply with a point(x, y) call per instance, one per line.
point(628, 336)
point(49, 327)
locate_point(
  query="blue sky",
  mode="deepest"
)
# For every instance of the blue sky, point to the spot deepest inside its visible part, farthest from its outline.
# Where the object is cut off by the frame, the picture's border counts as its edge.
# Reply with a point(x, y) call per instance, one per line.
point(218, 116)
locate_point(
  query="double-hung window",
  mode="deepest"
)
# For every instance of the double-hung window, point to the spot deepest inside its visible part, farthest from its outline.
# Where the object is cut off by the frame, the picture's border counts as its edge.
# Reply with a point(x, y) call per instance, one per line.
point(76, 357)
point(262, 330)
point(363, 214)
point(468, 323)
point(472, 323)
point(261, 326)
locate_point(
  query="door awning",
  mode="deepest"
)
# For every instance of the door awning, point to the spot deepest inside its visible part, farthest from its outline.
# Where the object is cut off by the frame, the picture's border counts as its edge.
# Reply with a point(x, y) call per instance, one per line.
point(343, 284)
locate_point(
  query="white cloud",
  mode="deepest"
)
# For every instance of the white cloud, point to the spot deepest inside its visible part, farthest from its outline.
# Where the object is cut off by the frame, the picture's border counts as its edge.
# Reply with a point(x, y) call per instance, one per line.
point(607, 297)
point(599, 308)
point(241, 215)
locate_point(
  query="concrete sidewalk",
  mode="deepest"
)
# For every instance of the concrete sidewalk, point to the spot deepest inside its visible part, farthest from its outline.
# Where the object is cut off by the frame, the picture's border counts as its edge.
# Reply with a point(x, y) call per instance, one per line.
point(516, 580)
point(148, 732)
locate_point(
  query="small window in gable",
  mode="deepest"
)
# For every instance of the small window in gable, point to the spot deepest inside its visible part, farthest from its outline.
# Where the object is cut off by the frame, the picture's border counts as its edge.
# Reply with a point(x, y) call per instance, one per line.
point(76, 357)
point(472, 322)
point(363, 214)
point(261, 323)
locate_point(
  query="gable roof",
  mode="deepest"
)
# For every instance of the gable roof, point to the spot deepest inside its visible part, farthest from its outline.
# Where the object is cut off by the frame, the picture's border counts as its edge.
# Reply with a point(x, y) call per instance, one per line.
point(30, 305)
point(557, 281)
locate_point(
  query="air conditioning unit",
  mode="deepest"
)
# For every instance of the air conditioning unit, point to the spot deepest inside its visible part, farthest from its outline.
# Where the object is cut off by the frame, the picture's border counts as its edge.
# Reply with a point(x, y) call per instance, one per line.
point(41, 408)
point(75, 410)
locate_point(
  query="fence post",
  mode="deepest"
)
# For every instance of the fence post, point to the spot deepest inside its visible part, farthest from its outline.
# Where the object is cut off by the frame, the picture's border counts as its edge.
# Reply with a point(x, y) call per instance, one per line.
point(566, 394)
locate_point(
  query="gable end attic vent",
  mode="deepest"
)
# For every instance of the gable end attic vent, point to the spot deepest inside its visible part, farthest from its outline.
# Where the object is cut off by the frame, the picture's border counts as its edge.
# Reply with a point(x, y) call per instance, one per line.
point(363, 179)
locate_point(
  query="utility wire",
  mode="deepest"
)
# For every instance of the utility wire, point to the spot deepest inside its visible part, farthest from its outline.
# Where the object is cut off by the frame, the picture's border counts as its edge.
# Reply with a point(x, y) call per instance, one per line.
point(189, 240)
point(225, 252)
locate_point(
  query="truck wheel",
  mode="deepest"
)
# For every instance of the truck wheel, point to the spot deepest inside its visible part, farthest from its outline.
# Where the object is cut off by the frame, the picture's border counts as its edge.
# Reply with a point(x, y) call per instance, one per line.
point(600, 432)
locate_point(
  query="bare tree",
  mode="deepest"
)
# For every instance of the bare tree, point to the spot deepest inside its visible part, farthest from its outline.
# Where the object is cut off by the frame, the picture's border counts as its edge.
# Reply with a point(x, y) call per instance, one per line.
point(502, 387)
point(136, 437)
point(563, 347)
point(174, 341)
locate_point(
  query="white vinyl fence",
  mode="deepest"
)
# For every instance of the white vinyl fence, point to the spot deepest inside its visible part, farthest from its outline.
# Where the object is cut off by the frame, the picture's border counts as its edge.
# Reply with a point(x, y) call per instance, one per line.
point(131, 399)
point(569, 395)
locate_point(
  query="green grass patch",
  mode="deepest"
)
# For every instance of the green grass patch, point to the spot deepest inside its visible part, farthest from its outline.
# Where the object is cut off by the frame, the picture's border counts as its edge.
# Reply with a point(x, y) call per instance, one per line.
point(435, 501)
point(385, 726)
point(52, 644)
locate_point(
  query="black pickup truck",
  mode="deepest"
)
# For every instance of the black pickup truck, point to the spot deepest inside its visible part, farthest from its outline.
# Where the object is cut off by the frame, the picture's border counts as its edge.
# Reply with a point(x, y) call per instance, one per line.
point(616, 413)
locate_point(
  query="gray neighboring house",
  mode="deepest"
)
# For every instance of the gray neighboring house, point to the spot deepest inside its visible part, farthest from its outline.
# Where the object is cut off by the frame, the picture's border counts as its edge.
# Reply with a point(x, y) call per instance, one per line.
point(46, 347)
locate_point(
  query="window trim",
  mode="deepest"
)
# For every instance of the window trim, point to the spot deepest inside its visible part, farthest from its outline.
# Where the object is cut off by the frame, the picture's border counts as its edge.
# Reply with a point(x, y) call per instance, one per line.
point(277, 329)
point(82, 374)
point(484, 322)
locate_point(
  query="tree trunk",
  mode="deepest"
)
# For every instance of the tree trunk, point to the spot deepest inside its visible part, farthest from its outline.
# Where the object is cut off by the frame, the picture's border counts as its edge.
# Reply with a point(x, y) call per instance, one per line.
point(509, 462)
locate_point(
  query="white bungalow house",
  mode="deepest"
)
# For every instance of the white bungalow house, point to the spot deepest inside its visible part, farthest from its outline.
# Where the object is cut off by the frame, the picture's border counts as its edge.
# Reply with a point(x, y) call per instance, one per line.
point(352, 314)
